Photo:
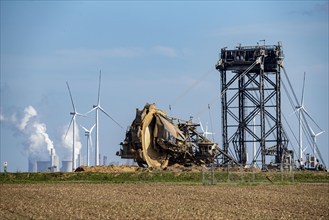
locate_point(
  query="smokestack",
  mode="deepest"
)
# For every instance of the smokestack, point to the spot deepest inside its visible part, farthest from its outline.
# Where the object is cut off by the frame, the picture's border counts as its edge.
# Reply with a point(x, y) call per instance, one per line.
point(51, 158)
point(53, 161)
point(55, 164)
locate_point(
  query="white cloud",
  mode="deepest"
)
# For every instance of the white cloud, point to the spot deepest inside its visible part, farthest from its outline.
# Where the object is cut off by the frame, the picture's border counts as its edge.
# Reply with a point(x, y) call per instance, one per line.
point(13, 118)
point(317, 8)
point(247, 32)
point(120, 52)
point(164, 51)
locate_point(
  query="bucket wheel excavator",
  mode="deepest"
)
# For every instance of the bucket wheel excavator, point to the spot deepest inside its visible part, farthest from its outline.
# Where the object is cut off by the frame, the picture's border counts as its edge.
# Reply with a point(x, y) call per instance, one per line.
point(154, 140)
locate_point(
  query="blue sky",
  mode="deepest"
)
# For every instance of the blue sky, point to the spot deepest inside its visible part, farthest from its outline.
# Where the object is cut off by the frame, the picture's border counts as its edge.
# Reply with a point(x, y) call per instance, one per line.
point(148, 52)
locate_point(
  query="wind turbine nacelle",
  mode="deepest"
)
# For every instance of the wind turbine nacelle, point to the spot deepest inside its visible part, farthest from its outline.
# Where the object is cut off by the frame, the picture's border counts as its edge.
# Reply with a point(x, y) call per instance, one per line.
point(72, 113)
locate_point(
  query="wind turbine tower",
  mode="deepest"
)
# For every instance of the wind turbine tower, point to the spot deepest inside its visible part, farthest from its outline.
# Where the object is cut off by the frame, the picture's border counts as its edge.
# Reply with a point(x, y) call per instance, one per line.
point(300, 110)
point(97, 108)
point(314, 143)
point(89, 141)
point(73, 123)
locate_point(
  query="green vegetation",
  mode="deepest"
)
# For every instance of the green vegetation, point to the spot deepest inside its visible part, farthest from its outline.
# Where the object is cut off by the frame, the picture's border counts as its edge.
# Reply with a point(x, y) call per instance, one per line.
point(148, 176)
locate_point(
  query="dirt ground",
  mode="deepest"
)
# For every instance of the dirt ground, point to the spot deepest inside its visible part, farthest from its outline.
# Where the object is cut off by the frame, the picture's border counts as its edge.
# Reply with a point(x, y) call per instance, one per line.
point(174, 168)
point(127, 168)
point(163, 201)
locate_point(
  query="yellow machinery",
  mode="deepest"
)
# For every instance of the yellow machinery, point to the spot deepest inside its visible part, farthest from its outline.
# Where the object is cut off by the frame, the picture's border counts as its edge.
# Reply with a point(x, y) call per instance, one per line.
point(154, 140)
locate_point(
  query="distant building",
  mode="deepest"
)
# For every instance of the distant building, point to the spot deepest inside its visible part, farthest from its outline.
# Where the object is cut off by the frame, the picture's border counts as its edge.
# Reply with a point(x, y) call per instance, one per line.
point(32, 167)
point(104, 160)
point(43, 166)
point(66, 166)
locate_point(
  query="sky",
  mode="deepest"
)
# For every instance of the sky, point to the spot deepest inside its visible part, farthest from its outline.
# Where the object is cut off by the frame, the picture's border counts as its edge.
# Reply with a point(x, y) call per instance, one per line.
point(163, 52)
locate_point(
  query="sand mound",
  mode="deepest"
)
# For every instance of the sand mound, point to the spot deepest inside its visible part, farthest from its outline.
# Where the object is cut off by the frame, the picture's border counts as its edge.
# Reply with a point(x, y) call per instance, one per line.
point(173, 168)
point(107, 169)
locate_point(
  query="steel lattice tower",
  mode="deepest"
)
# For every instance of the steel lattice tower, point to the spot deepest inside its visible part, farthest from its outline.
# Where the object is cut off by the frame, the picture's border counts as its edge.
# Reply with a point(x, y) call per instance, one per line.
point(251, 103)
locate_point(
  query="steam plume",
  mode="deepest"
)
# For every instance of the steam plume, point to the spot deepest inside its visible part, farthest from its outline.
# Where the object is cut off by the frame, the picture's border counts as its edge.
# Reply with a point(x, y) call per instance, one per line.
point(68, 141)
point(29, 112)
point(37, 143)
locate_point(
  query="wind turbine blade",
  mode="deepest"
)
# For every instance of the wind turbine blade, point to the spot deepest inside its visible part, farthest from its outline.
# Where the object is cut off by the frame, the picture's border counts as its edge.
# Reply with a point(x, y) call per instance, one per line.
point(304, 110)
point(68, 87)
point(81, 115)
point(99, 87)
point(69, 127)
point(302, 101)
point(311, 130)
point(294, 112)
point(201, 126)
point(319, 133)
point(91, 129)
point(305, 149)
point(110, 117)
point(91, 110)
point(86, 130)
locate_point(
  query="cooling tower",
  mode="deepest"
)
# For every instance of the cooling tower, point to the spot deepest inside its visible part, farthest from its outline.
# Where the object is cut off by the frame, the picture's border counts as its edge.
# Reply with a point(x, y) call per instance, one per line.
point(104, 160)
point(66, 166)
point(43, 166)
point(32, 166)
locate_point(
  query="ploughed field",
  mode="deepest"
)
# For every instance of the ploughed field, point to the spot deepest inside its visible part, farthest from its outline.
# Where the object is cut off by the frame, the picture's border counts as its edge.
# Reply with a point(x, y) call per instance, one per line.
point(163, 201)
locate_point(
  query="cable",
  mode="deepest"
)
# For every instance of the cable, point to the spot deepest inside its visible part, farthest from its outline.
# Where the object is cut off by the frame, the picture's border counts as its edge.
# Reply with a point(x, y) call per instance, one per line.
point(305, 130)
point(293, 92)
point(198, 81)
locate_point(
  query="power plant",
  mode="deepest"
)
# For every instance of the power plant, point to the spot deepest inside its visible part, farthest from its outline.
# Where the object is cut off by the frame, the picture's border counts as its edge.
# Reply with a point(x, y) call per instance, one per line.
point(44, 166)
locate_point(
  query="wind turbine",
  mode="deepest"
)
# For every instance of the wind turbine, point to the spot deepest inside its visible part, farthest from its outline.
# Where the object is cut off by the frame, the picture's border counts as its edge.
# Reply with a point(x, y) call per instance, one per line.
point(74, 114)
point(97, 108)
point(313, 135)
point(205, 133)
point(300, 110)
point(89, 141)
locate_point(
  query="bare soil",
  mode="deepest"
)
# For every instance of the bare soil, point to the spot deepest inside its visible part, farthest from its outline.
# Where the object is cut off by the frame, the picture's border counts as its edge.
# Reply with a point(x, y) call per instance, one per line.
point(108, 169)
point(163, 201)
point(174, 168)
